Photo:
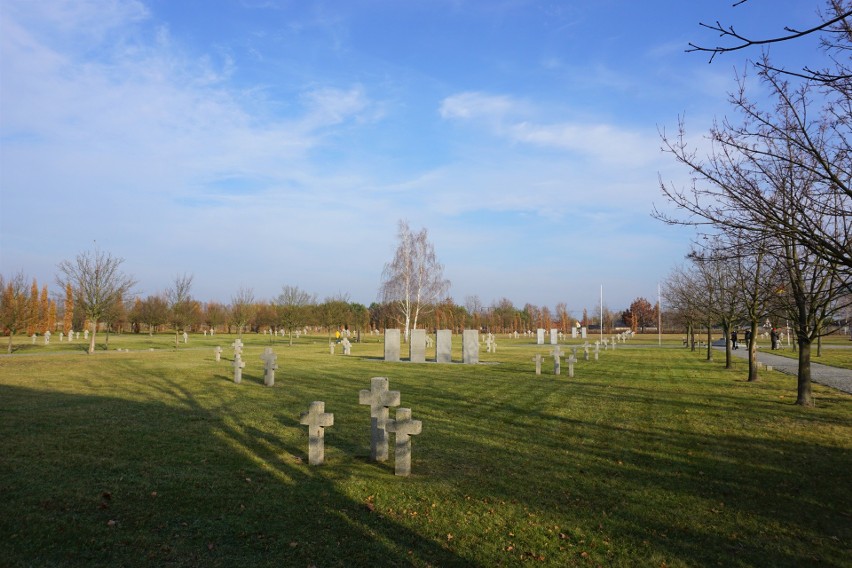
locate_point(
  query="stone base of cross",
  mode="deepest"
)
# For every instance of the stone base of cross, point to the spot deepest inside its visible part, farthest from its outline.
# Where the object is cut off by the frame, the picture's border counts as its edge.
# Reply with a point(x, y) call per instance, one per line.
point(537, 360)
point(317, 420)
point(571, 360)
point(218, 353)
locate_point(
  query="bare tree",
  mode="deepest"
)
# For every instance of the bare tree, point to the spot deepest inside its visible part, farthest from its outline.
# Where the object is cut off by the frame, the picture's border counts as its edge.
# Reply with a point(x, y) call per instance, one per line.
point(681, 292)
point(242, 308)
point(181, 306)
point(292, 307)
point(832, 25)
point(97, 278)
point(414, 280)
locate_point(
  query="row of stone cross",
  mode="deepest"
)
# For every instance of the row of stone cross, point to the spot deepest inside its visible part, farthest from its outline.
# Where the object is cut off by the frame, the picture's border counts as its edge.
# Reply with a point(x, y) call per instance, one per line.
point(379, 399)
point(557, 354)
point(61, 336)
point(270, 362)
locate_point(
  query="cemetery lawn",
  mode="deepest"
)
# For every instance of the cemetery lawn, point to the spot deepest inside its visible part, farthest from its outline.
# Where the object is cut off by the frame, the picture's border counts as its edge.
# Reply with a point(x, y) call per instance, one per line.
point(648, 457)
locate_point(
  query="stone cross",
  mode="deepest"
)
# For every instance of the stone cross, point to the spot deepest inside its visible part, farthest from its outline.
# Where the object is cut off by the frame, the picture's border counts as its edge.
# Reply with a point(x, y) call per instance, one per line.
point(86, 334)
point(571, 360)
point(185, 337)
point(78, 334)
point(404, 428)
point(597, 349)
point(60, 337)
point(605, 344)
point(270, 363)
point(238, 368)
point(331, 347)
point(347, 347)
point(205, 333)
point(47, 337)
point(218, 353)
point(33, 338)
point(556, 353)
point(317, 420)
point(586, 351)
point(614, 341)
point(238, 346)
point(379, 398)
point(488, 343)
point(71, 335)
point(537, 360)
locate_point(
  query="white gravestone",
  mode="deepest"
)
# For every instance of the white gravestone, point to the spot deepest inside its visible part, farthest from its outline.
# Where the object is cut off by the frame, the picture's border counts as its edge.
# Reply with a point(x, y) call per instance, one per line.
point(470, 346)
point(347, 346)
point(539, 340)
point(218, 353)
point(392, 345)
point(417, 346)
point(554, 337)
point(444, 349)
point(537, 360)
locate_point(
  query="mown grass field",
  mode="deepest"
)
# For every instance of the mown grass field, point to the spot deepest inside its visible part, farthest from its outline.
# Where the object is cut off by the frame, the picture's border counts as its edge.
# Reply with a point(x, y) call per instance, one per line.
point(648, 457)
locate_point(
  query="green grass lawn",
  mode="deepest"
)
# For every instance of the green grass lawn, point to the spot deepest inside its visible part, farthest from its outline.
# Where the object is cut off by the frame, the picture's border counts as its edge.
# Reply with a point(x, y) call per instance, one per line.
point(648, 457)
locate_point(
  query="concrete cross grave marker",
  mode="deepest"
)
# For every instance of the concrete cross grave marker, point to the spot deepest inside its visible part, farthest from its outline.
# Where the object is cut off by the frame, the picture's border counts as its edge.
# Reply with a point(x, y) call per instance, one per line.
point(33, 338)
point(488, 343)
point(238, 368)
point(61, 336)
point(185, 337)
point(586, 351)
point(218, 353)
point(270, 363)
point(379, 398)
point(317, 420)
point(556, 353)
point(71, 335)
point(347, 346)
point(537, 360)
point(238, 346)
point(47, 337)
point(331, 347)
point(571, 360)
point(597, 349)
point(86, 334)
point(404, 428)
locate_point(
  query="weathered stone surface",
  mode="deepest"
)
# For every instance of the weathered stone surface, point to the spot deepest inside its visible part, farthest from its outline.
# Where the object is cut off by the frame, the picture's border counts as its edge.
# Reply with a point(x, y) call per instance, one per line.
point(554, 336)
point(270, 364)
point(470, 346)
point(218, 353)
point(537, 360)
point(403, 427)
point(379, 398)
point(238, 368)
point(392, 345)
point(444, 340)
point(539, 336)
point(317, 420)
point(417, 346)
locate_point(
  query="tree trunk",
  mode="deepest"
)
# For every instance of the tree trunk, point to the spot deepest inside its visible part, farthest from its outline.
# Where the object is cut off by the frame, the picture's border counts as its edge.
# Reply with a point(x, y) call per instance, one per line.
point(92, 338)
point(11, 334)
point(291, 337)
point(709, 342)
point(752, 354)
point(804, 398)
point(726, 332)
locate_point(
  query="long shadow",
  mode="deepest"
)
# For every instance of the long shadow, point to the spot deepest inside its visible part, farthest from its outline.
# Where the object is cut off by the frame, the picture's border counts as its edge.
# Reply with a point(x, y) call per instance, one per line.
point(108, 481)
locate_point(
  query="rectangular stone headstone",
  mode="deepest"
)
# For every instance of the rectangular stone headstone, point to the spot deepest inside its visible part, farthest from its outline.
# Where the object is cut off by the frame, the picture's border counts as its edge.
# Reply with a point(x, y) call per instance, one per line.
point(539, 339)
point(417, 346)
point(444, 349)
point(392, 345)
point(470, 346)
point(583, 332)
point(554, 337)
point(573, 333)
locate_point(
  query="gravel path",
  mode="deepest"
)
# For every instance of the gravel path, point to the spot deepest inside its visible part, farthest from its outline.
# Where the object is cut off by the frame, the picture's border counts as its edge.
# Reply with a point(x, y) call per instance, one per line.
point(840, 379)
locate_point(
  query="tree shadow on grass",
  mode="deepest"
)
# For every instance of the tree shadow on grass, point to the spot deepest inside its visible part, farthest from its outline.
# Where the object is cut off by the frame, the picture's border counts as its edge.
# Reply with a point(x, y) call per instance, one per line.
point(107, 481)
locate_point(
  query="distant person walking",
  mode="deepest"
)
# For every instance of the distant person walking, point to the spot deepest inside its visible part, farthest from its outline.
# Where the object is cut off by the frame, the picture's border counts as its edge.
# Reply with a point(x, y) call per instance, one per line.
point(734, 339)
point(773, 335)
point(748, 338)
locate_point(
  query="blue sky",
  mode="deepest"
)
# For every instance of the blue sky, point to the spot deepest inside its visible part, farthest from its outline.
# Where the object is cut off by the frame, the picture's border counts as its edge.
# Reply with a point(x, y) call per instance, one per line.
point(258, 143)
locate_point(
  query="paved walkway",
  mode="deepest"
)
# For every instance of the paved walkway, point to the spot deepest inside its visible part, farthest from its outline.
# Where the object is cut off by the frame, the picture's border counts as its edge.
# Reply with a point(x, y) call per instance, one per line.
point(835, 377)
